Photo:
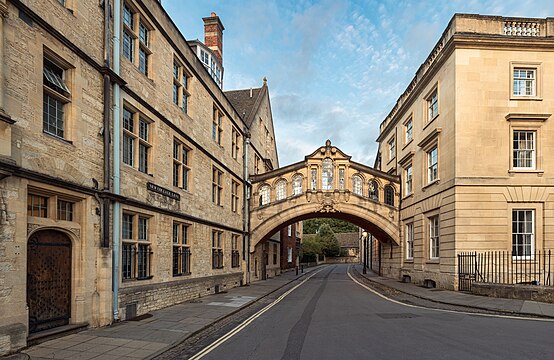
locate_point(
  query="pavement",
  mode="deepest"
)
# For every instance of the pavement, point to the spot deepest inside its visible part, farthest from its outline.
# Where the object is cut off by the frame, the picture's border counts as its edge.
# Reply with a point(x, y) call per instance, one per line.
point(168, 327)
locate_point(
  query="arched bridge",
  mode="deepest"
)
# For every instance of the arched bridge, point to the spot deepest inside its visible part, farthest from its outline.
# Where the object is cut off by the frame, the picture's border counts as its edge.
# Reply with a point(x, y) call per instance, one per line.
point(326, 184)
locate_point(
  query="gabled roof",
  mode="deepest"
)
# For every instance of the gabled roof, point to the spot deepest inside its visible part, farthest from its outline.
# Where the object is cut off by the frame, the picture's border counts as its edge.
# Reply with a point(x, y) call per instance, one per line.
point(246, 102)
point(348, 240)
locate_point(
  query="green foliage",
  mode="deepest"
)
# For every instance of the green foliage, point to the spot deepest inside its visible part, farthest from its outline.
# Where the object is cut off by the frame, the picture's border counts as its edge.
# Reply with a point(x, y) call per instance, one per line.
point(329, 243)
point(338, 226)
point(310, 249)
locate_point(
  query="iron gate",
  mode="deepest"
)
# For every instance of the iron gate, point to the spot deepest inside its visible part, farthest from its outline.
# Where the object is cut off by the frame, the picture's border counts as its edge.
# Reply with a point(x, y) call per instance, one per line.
point(467, 270)
point(48, 280)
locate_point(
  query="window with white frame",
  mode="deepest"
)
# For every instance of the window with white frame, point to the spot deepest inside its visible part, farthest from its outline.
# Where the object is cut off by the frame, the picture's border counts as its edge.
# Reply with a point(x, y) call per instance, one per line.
point(264, 195)
point(327, 178)
point(181, 249)
point(392, 149)
point(181, 165)
point(432, 164)
point(136, 256)
point(314, 178)
point(281, 190)
point(289, 255)
point(341, 178)
point(289, 230)
point(55, 97)
point(357, 187)
point(410, 241)
point(297, 185)
point(136, 39)
point(136, 140)
point(433, 105)
point(524, 145)
point(434, 240)
point(525, 82)
point(408, 179)
point(523, 233)
point(408, 130)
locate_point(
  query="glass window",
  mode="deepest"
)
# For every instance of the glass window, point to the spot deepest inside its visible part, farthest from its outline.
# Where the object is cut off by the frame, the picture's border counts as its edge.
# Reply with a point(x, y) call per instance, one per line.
point(55, 96)
point(373, 190)
point(357, 185)
point(314, 178)
point(408, 181)
point(523, 233)
point(434, 237)
point(217, 186)
point(392, 149)
point(524, 149)
point(432, 165)
point(264, 195)
point(65, 210)
point(297, 185)
point(128, 16)
point(281, 190)
point(432, 105)
point(37, 206)
point(181, 250)
point(525, 82)
point(128, 46)
point(327, 174)
point(409, 130)
point(389, 195)
point(136, 255)
point(217, 250)
point(234, 196)
point(410, 241)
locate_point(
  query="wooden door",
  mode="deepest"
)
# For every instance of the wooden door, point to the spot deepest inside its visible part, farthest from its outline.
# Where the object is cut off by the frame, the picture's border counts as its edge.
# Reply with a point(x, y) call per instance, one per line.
point(48, 280)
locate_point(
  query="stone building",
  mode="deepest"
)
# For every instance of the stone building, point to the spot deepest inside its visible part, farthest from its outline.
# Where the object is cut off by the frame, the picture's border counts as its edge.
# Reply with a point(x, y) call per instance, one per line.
point(291, 239)
point(471, 137)
point(122, 171)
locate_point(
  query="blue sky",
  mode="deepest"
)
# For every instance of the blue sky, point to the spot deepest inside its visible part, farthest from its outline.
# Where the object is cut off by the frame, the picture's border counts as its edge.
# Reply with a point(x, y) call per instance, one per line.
point(335, 68)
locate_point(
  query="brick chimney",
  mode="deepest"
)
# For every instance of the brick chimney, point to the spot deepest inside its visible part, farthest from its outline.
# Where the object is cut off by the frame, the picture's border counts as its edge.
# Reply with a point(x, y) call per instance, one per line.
point(213, 35)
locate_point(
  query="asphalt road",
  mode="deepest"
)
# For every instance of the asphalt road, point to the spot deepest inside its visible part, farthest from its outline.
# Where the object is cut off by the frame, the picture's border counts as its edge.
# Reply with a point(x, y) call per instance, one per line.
point(331, 317)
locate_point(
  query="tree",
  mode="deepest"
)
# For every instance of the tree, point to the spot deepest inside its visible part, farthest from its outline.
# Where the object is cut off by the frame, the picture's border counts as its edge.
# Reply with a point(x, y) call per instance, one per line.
point(338, 226)
point(311, 248)
point(328, 241)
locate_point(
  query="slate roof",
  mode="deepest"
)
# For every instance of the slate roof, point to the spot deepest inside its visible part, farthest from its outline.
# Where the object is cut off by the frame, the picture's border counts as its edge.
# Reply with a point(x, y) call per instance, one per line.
point(348, 240)
point(243, 103)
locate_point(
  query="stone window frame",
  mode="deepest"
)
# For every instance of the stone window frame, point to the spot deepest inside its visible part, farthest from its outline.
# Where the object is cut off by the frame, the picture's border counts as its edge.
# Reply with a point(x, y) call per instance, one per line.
point(52, 201)
point(235, 251)
point(217, 185)
point(235, 195)
point(431, 141)
point(182, 166)
point(257, 161)
point(388, 195)
point(235, 143)
point(181, 249)
point(408, 130)
point(527, 65)
point(181, 85)
point(137, 253)
point(391, 146)
point(527, 122)
point(409, 240)
point(430, 113)
point(433, 236)
point(58, 90)
point(217, 249)
point(139, 139)
point(140, 43)
point(217, 125)
point(538, 218)
point(408, 180)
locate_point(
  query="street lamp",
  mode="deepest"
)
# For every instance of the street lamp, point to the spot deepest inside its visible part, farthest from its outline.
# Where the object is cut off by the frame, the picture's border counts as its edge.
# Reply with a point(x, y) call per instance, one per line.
point(364, 238)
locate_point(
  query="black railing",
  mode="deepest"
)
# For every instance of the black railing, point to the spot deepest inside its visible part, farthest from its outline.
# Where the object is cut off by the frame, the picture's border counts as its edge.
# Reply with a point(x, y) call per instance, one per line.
point(505, 267)
point(181, 260)
point(217, 259)
point(136, 262)
point(235, 258)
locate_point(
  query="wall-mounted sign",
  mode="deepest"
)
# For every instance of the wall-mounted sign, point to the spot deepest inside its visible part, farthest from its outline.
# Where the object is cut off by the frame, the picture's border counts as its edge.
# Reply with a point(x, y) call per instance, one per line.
point(163, 191)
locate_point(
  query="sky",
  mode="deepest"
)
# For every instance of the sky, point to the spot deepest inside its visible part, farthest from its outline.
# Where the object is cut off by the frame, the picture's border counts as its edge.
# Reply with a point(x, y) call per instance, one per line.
point(334, 68)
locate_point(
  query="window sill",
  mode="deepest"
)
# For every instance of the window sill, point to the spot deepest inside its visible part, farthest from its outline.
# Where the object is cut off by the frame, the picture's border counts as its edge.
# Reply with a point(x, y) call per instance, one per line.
point(430, 121)
point(390, 161)
point(433, 261)
point(183, 274)
point(434, 182)
point(408, 143)
point(57, 138)
point(410, 195)
point(409, 261)
point(526, 171)
point(525, 98)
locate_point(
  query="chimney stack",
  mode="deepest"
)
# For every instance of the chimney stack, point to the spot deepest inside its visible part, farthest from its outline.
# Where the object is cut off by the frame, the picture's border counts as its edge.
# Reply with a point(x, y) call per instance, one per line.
point(213, 35)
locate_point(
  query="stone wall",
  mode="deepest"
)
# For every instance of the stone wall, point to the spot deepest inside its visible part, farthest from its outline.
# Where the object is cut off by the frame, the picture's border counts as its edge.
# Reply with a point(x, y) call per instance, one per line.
point(160, 295)
point(521, 292)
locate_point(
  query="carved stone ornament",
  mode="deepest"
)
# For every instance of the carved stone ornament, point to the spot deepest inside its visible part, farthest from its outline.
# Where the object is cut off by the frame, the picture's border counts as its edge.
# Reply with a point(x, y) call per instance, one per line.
point(3, 9)
point(76, 232)
point(327, 205)
point(32, 227)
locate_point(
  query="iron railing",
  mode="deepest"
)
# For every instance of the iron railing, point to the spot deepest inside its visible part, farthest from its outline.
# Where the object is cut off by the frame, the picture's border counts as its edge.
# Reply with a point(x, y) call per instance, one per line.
point(136, 262)
point(235, 258)
point(181, 260)
point(505, 267)
point(217, 259)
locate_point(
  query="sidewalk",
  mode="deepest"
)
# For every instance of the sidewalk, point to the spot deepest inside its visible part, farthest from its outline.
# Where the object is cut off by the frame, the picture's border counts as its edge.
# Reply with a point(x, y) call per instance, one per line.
point(167, 327)
point(508, 306)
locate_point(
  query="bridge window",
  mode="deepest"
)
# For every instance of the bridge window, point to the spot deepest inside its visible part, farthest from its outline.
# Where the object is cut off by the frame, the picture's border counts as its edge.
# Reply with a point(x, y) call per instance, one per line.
point(327, 174)
point(264, 195)
point(297, 185)
point(341, 178)
point(314, 178)
point(389, 195)
point(357, 185)
point(373, 190)
point(281, 190)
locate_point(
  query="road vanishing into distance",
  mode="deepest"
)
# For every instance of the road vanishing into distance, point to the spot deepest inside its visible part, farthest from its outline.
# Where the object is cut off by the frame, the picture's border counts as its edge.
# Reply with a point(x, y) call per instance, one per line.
point(330, 315)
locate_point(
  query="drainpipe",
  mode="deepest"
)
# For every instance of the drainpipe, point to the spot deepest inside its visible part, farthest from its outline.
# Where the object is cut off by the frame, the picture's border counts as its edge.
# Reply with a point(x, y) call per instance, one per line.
point(116, 158)
point(246, 205)
point(105, 204)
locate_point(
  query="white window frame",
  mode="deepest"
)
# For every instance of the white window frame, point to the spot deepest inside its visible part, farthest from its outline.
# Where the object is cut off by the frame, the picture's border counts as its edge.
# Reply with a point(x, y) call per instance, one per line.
point(408, 180)
point(409, 130)
point(516, 152)
point(357, 185)
point(432, 175)
point(264, 195)
point(432, 105)
point(392, 148)
point(434, 237)
point(281, 190)
point(527, 82)
point(523, 234)
point(297, 185)
point(410, 241)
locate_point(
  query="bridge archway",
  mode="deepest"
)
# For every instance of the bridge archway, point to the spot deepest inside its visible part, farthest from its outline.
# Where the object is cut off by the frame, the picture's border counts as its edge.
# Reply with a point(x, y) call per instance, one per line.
point(326, 184)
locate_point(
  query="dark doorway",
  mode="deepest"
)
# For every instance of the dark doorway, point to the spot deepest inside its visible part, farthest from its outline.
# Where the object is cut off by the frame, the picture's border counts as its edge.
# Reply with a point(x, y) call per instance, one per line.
point(48, 280)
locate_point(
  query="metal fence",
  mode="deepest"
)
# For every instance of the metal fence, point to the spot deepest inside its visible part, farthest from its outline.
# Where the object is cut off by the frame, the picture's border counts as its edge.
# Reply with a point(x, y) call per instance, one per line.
point(505, 267)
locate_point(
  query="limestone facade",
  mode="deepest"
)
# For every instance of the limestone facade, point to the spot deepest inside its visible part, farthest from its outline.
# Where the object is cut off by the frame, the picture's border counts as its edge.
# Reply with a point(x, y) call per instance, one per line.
point(181, 175)
point(470, 139)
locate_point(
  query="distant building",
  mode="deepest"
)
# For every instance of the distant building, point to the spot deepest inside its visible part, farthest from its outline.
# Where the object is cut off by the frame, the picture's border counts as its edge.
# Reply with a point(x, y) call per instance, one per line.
point(291, 239)
point(210, 52)
point(349, 243)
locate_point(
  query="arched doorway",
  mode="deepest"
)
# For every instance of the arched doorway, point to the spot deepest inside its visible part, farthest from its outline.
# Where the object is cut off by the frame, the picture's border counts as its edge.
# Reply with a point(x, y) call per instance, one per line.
point(48, 280)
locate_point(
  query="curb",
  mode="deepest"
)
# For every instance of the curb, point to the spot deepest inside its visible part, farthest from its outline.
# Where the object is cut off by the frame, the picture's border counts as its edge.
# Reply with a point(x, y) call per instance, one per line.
point(248, 304)
point(500, 311)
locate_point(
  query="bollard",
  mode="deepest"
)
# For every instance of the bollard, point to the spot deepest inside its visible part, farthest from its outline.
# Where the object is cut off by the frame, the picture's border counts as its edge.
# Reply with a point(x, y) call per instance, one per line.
point(302, 267)
point(297, 270)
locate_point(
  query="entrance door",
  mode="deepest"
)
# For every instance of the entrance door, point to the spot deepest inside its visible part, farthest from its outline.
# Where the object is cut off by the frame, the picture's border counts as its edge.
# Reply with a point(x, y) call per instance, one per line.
point(48, 280)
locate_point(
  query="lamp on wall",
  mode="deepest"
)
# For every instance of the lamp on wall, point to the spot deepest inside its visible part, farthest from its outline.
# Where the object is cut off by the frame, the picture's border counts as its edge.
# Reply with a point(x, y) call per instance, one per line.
point(364, 239)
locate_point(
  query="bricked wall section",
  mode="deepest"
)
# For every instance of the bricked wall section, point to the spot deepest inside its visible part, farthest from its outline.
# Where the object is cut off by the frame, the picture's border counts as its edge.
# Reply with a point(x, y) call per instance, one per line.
point(157, 296)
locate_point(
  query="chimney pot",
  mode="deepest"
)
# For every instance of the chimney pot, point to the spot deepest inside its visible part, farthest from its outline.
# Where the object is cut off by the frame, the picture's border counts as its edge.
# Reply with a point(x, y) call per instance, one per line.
point(213, 14)
point(250, 92)
point(213, 35)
